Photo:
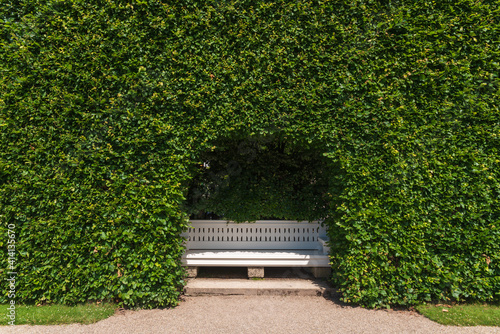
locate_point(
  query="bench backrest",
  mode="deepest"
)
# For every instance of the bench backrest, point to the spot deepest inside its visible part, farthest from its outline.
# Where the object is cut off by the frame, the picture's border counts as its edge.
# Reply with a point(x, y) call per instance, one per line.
point(262, 234)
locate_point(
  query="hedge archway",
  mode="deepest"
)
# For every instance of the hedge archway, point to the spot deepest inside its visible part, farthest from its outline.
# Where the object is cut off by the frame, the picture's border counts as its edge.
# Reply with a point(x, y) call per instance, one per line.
point(263, 177)
point(106, 107)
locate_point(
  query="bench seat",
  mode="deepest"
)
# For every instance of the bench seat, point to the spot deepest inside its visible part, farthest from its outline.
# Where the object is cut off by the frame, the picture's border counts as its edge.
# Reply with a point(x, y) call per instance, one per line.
point(256, 258)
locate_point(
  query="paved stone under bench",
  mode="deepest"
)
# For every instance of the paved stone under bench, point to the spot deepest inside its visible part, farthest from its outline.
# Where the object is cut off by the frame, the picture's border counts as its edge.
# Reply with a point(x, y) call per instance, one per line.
point(255, 272)
point(271, 287)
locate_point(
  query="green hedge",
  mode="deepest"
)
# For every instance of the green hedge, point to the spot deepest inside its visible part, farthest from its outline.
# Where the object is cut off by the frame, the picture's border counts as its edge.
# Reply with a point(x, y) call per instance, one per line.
point(108, 107)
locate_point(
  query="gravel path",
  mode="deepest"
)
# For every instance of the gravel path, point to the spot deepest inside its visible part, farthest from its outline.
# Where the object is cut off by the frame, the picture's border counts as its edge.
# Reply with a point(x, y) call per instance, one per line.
point(258, 314)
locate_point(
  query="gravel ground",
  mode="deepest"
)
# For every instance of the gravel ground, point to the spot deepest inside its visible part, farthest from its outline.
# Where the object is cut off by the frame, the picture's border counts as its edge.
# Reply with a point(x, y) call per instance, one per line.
point(258, 314)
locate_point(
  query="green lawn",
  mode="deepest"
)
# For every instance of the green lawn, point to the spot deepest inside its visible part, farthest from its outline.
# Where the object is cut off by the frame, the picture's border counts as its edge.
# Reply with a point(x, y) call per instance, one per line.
point(57, 314)
point(463, 315)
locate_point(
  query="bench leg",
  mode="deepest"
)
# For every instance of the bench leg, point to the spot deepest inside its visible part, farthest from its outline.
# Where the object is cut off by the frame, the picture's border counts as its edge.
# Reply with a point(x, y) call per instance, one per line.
point(192, 272)
point(321, 272)
point(255, 272)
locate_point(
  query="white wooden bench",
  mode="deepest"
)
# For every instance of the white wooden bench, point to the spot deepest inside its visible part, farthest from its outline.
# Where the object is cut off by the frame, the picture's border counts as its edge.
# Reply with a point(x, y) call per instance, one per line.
point(264, 243)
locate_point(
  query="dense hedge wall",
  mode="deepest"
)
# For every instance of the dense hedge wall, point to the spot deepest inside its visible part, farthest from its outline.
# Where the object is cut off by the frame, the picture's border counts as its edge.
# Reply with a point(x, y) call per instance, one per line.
point(107, 108)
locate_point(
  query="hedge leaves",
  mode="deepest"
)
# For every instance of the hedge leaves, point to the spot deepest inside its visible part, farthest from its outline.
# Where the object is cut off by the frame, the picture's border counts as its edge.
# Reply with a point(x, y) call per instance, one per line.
point(108, 107)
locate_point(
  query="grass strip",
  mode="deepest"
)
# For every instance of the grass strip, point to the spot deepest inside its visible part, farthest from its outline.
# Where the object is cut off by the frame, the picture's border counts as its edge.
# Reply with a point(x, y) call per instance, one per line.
point(462, 315)
point(57, 314)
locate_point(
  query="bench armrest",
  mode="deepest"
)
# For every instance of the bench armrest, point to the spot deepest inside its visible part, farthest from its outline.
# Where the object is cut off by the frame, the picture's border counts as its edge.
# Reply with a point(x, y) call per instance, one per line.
point(323, 241)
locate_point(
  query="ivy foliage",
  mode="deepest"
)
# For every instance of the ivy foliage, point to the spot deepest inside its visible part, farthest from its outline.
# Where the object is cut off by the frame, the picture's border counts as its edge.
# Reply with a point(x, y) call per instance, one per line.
point(108, 108)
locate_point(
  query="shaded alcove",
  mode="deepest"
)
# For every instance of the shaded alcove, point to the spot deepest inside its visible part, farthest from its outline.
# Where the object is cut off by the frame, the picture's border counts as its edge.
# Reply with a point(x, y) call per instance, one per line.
point(263, 177)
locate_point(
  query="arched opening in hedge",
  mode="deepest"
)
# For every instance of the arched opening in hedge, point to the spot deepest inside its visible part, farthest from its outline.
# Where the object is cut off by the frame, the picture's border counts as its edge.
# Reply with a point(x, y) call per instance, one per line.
point(270, 176)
